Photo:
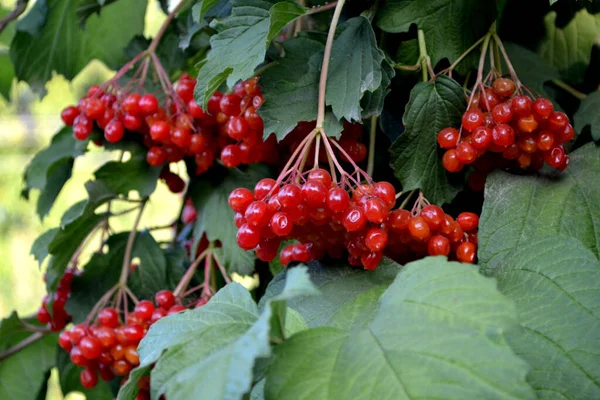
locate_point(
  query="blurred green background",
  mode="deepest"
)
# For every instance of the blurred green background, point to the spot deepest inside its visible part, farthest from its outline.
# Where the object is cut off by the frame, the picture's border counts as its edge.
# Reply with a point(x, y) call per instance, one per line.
point(27, 124)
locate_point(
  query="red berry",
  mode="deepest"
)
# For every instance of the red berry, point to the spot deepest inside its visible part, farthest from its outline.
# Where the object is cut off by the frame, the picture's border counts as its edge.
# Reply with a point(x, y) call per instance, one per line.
point(448, 138)
point(567, 134)
point(195, 110)
point(156, 156)
point(240, 199)
point(438, 245)
point(521, 105)
point(181, 137)
point(109, 317)
point(465, 153)
point(386, 192)
point(230, 156)
point(418, 228)
point(131, 104)
point(503, 135)
point(354, 220)
point(555, 156)
point(189, 214)
point(338, 200)
point(94, 108)
point(133, 333)
point(371, 260)
point(433, 216)
point(290, 196)
point(481, 138)
point(468, 221)
point(88, 378)
point(237, 128)
point(545, 140)
point(281, 224)
point(64, 341)
point(43, 316)
point(503, 87)
point(527, 123)
point(376, 239)
point(159, 131)
point(542, 108)
point(488, 99)
point(106, 336)
point(398, 219)
point(267, 250)
point(185, 89)
point(113, 132)
point(557, 122)
point(465, 252)
point(131, 122)
point(320, 175)
point(144, 309)
point(78, 332)
point(230, 104)
point(165, 299)
point(502, 113)
point(450, 161)
point(248, 237)
point(314, 194)
point(158, 314)
point(264, 187)
point(69, 114)
point(257, 214)
point(90, 347)
point(356, 150)
point(375, 210)
point(148, 104)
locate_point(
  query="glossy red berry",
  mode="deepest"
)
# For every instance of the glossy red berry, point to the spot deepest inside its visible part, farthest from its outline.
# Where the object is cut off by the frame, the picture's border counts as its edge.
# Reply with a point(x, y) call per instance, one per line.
point(338, 200)
point(230, 156)
point(555, 156)
point(181, 137)
point(468, 221)
point(314, 194)
point(165, 299)
point(230, 104)
point(451, 162)
point(542, 108)
point(248, 237)
point(290, 196)
point(148, 104)
point(448, 138)
point(386, 192)
point(90, 347)
point(354, 220)
point(144, 309)
point(521, 105)
point(433, 216)
point(503, 135)
point(418, 228)
point(371, 260)
point(240, 199)
point(472, 119)
point(527, 123)
point(131, 104)
point(281, 224)
point(438, 245)
point(376, 239)
point(502, 113)
point(557, 122)
point(156, 156)
point(88, 378)
point(109, 317)
point(481, 138)
point(465, 252)
point(399, 219)
point(466, 153)
point(503, 87)
point(375, 210)
point(64, 341)
point(257, 214)
point(113, 132)
point(69, 114)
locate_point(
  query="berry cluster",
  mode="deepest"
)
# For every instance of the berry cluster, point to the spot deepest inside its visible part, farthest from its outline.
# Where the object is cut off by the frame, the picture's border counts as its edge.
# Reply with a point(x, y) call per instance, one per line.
point(109, 347)
point(59, 318)
point(523, 130)
point(326, 219)
point(179, 127)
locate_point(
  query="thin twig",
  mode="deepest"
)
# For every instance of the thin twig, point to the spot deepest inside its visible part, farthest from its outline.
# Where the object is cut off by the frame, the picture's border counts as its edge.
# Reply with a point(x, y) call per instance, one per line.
point(372, 135)
point(22, 344)
point(20, 8)
point(129, 247)
point(187, 277)
point(569, 89)
point(221, 268)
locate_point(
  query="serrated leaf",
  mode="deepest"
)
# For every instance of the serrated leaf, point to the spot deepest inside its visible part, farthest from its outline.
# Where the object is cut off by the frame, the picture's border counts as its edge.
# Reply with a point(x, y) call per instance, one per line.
point(415, 157)
point(23, 374)
point(450, 26)
point(555, 284)
point(437, 329)
point(150, 276)
point(39, 248)
point(203, 7)
point(134, 174)
point(62, 46)
point(355, 68)
point(239, 47)
point(533, 70)
point(569, 48)
point(51, 168)
point(215, 217)
point(517, 208)
point(332, 126)
point(291, 87)
point(69, 380)
point(338, 285)
point(372, 103)
point(589, 114)
point(281, 14)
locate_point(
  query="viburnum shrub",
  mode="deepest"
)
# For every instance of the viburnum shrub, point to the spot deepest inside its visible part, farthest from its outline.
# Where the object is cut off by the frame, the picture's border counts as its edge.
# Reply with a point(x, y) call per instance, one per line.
point(366, 200)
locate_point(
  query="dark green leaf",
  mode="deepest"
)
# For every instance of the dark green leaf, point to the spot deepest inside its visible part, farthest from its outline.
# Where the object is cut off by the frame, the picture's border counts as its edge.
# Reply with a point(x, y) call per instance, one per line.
point(338, 285)
point(533, 71)
point(569, 48)
point(450, 26)
point(23, 374)
point(98, 193)
point(355, 68)
point(134, 174)
point(12, 331)
point(408, 52)
point(281, 14)
point(372, 103)
point(39, 248)
point(517, 208)
point(202, 8)
point(7, 74)
point(291, 87)
point(86, 8)
point(415, 158)
point(177, 264)
point(59, 44)
point(589, 114)
point(150, 276)
point(58, 174)
point(215, 217)
point(555, 284)
point(436, 329)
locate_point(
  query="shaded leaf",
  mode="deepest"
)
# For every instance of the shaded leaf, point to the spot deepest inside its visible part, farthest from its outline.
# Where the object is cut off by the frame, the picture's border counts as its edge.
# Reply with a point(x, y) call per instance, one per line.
point(589, 114)
point(39, 248)
point(372, 103)
point(533, 70)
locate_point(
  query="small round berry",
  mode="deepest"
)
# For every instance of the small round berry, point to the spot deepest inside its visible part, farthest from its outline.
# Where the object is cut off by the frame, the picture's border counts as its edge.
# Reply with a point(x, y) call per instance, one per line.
point(502, 113)
point(488, 99)
point(230, 104)
point(106, 336)
point(466, 153)
point(64, 341)
point(156, 156)
point(527, 123)
point(448, 138)
point(90, 347)
point(503, 87)
point(468, 221)
point(555, 156)
point(465, 252)
point(557, 122)
point(113, 132)
point(289, 196)
point(160, 131)
point(567, 134)
point(433, 216)
point(69, 114)
point(109, 317)
point(133, 334)
point(131, 104)
point(144, 309)
point(257, 214)
point(371, 260)
point(237, 128)
point(438, 245)
point(481, 138)
point(264, 187)
point(386, 192)
point(338, 200)
point(195, 110)
point(131, 122)
point(354, 220)
point(230, 156)
point(88, 378)
point(165, 299)
point(376, 239)
point(320, 175)
point(148, 104)
point(94, 108)
point(419, 229)
point(181, 137)
point(521, 105)
point(375, 210)
point(248, 237)
point(472, 119)
point(399, 219)
point(314, 194)
point(503, 135)
point(545, 140)
point(542, 108)
point(281, 224)
point(450, 161)
point(240, 199)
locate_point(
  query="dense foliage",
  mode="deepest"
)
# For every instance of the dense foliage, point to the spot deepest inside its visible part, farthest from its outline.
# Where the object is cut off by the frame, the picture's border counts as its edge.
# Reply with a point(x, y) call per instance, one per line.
point(411, 184)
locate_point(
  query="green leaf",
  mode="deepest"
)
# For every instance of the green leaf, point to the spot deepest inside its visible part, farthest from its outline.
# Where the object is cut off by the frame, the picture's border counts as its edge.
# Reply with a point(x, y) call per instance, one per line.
point(62, 46)
point(201, 8)
point(39, 248)
point(69, 381)
point(215, 217)
point(533, 70)
point(291, 87)
point(7, 74)
point(438, 333)
point(372, 103)
point(282, 14)
point(450, 26)
point(355, 68)
point(338, 285)
point(9, 30)
point(555, 284)
point(415, 157)
point(569, 48)
point(589, 114)
point(23, 374)
point(151, 275)
point(86, 8)
point(517, 208)
point(240, 44)
point(134, 174)
point(98, 193)
point(12, 331)
point(65, 243)
point(51, 168)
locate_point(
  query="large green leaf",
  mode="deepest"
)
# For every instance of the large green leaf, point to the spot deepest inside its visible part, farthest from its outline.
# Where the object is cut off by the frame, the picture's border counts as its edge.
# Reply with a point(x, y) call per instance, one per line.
point(555, 283)
point(240, 44)
point(355, 68)
point(450, 26)
point(23, 374)
point(150, 276)
point(438, 333)
point(589, 114)
point(291, 86)
point(415, 156)
point(62, 46)
point(51, 168)
point(569, 48)
point(212, 350)
point(339, 286)
point(517, 208)
point(215, 217)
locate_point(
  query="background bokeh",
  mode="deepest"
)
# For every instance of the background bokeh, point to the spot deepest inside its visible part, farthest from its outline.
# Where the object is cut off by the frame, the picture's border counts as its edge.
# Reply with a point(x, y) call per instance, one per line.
point(27, 124)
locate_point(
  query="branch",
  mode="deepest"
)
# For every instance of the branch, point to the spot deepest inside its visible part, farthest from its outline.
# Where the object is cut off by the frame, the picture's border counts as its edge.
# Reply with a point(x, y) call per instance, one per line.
point(129, 247)
point(22, 344)
point(20, 8)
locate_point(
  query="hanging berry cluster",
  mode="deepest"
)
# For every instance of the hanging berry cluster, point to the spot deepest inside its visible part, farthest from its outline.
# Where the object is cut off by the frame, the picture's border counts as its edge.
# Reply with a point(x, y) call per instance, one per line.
point(59, 317)
point(108, 347)
point(335, 218)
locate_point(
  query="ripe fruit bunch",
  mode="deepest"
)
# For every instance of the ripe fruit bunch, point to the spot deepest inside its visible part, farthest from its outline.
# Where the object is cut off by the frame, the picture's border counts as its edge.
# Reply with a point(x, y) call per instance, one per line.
point(59, 318)
point(522, 129)
point(326, 219)
point(108, 347)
